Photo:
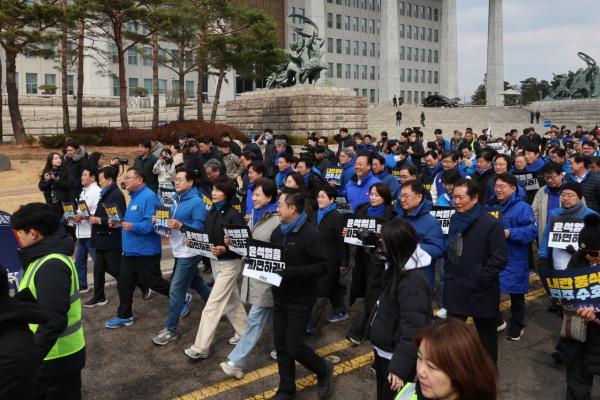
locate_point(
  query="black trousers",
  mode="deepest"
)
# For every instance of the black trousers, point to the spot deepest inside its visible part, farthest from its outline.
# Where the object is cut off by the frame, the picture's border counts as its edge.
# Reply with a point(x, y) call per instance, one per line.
point(107, 261)
point(374, 277)
point(381, 374)
point(289, 325)
point(579, 381)
point(138, 270)
point(65, 387)
point(486, 328)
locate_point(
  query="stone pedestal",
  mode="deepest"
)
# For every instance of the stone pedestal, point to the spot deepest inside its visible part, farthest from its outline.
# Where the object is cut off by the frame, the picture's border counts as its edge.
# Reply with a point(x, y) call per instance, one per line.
point(298, 110)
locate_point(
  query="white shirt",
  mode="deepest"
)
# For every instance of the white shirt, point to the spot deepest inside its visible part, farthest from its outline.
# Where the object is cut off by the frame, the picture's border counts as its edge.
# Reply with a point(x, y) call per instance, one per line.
point(91, 196)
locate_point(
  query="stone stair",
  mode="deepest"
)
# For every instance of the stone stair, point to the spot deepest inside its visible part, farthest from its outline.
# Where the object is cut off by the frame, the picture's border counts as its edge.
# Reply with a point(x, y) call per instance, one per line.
point(584, 112)
point(501, 119)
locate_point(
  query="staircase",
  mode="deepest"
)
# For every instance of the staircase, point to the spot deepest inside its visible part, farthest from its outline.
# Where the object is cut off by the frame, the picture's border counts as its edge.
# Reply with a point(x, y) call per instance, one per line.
point(501, 119)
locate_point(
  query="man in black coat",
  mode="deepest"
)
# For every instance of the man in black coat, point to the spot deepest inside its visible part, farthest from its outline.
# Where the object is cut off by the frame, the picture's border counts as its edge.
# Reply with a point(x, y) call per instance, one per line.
point(344, 140)
point(106, 239)
point(476, 255)
point(18, 362)
point(144, 162)
point(73, 167)
point(482, 175)
point(590, 182)
point(305, 258)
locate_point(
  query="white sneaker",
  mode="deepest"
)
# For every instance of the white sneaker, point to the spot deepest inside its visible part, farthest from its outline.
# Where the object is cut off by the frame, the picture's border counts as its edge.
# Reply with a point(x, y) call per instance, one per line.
point(232, 370)
point(233, 340)
point(274, 355)
point(441, 313)
point(501, 327)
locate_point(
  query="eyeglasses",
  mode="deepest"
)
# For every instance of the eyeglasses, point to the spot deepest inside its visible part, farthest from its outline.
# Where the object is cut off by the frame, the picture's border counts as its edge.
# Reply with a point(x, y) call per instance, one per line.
point(568, 195)
point(591, 253)
point(501, 187)
point(405, 195)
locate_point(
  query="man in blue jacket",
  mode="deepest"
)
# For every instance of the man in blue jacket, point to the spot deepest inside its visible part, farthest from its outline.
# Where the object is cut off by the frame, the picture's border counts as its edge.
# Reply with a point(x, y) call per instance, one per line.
point(381, 172)
point(140, 263)
point(187, 212)
point(347, 163)
point(357, 190)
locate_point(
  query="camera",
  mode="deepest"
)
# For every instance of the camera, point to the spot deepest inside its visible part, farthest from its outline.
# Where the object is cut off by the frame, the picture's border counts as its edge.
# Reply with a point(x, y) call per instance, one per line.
point(119, 161)
point(368, 237)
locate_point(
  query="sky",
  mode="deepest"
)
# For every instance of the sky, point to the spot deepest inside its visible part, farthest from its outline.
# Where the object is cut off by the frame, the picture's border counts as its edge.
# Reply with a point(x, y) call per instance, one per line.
point(540, 37)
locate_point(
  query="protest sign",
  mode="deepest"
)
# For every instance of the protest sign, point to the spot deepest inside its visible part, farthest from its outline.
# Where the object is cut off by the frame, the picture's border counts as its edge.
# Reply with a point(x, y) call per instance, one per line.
point(334, 174)
point(530, 182)
point(238, 236)
point(8, 251)
point(68, 212)
point(574, 287)
point(564, 231)
point(443, 215)
point(358, 228)
point(264, 262)
point(161, 213)
point(166, 196)
point(342, 205)
point(396, 174)
point(112, 212)
point(83, 209)
point(199, 242)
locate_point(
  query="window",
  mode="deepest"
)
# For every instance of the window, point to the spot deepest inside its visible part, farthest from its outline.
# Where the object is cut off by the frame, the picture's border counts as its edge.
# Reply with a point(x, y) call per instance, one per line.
point(371, 5)
point(416, 76)
point(357, 91)
point(435, 35)
point(378, 49)
point(330, 70)
point(347, 22)
point(422, 12)
point(429, 34)
point(148, 86)
point(132, 56)
point(355, 48)
point(364, 72)
point(294, 12)
point(409, 96)
point(428, 93)
point(409, 53)
point(70, 90)
point(114, 53)
point(116, 87)
point(355, 24)
point(422, 55)
point(422, 96)
point(428, 76)
point(416, 97)
point(402, 94)
point(402, 50)
point(409, 31)
point(132, 26)
point(50, 79)
point(435, 77)
point(189, 89)
point(338, 21)
point(401, 7)
point(175, 86)
point(372, 50)
point(371, 26)
point(416, 32)
point(330, 45)
point(175, 58)
point(416, 11)
point(402, 74)
point(435, 14)
point(378, 27)
point(422, 33)
point(372, 96)
point(409, 75)
point(435, 56)
point(31, 85)
point(348, 47)
point(363, 25)
point(348, 71)
point(339, 2)
point(408, 10)
point(372, 73)
point(329, 20)
point(338, 71)
point(423, 76)
point(162, 86)
point(133, 83)
point(147, 56)
point(355, 71)
point(401, 30)
point(365, 92)
point(429, 13)
point(429, 56)
point(338, 46)
point(364, 49)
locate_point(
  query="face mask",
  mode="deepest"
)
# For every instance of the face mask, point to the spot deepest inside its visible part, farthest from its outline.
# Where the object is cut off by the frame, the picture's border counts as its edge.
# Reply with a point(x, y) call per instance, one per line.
point(397, 158)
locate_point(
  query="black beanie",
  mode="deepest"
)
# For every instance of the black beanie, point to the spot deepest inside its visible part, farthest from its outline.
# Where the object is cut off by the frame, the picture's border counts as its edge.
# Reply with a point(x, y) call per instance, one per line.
point(575, 187)
point(589, 237)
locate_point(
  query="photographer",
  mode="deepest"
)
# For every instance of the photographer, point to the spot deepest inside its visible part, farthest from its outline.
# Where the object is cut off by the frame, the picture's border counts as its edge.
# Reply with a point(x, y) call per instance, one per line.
point(367, 272)
point(164, 168)
point(53, 194)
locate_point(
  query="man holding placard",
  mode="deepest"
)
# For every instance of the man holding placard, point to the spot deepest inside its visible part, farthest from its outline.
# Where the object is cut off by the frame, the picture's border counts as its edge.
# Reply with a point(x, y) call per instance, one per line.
point(306, 261)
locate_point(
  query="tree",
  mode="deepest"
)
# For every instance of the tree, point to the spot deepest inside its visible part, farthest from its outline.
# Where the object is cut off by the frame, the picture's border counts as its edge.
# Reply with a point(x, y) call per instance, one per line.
point(24, 27)
point(118, 20)
point(478, 98)
point(531, 89)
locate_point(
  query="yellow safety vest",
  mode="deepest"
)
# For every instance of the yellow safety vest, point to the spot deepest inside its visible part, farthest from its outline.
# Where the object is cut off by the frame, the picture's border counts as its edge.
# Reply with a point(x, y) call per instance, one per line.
point(408, 392)
point(71, 340)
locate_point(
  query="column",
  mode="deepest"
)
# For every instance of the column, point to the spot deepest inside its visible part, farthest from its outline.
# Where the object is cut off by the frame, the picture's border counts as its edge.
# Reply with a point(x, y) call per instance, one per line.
point(448, 52)
point(495, 56)
point(389, 82)
point(315, 10)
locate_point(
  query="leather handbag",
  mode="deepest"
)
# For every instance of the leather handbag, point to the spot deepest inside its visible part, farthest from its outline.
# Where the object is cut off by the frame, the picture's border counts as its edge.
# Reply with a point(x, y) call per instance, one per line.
point(574, 326)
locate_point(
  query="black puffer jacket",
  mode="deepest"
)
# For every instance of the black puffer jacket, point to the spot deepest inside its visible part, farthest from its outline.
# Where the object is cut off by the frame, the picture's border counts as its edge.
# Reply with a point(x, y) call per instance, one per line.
point(146, 166)
point(103, 237)
point(567, 348)
point(399, 314)
point(53, 286)
point(215, 219)
point(331, 227)
point(18, 358)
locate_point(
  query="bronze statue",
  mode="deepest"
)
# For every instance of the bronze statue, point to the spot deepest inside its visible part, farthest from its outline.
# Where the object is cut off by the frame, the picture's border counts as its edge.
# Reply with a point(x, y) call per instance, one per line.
point(585, 83)
point(295, 71)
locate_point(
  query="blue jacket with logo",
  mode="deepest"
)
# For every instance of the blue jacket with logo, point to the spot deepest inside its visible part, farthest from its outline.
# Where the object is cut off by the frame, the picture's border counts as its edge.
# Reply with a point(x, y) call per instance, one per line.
point(358, 194)
point(391, 182)
point(141, 240)
point(189, 209)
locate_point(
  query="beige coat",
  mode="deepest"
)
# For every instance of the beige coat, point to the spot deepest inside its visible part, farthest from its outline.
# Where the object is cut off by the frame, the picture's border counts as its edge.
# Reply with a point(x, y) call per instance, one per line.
point(255, 292)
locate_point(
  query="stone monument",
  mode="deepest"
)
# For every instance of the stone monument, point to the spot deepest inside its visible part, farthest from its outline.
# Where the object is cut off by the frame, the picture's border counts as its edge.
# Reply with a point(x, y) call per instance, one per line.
point(294, 102)
point(583, 84)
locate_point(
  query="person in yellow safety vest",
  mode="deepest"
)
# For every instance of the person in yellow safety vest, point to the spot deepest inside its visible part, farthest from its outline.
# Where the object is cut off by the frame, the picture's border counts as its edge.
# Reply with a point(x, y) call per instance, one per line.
point(451, 365)
point(51, 278)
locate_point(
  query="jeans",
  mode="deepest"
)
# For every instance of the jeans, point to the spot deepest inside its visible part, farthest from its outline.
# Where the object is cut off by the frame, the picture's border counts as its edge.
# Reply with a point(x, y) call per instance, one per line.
point(185, 272)
point(81, 256)
point(289, 326)
point(258, 317)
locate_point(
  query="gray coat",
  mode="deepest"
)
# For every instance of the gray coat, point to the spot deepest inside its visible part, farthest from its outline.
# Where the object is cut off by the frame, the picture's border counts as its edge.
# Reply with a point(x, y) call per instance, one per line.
point(255, 292)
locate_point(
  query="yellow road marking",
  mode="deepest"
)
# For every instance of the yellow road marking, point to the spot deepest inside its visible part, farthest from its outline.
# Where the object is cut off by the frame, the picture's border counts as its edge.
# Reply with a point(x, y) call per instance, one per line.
point(346, 366)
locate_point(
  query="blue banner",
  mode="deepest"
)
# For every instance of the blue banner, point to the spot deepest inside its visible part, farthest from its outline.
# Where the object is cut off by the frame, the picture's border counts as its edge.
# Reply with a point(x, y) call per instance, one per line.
point(8, 253)
point(574, 287)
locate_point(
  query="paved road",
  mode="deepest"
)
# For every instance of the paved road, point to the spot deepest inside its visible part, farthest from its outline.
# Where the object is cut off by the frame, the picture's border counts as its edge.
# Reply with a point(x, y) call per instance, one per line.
point(125, 364)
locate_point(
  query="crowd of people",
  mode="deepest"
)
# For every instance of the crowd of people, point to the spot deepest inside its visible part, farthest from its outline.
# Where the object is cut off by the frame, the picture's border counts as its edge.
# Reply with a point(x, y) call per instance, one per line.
point(498, 199)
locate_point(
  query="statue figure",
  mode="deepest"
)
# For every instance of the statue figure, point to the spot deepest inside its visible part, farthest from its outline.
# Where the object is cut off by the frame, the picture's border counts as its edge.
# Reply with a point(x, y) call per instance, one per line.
point(585, 83)
point(294, 71)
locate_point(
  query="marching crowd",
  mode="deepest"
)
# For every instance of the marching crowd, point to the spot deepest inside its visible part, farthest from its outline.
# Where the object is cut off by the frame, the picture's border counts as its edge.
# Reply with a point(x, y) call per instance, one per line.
point(361, 222)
